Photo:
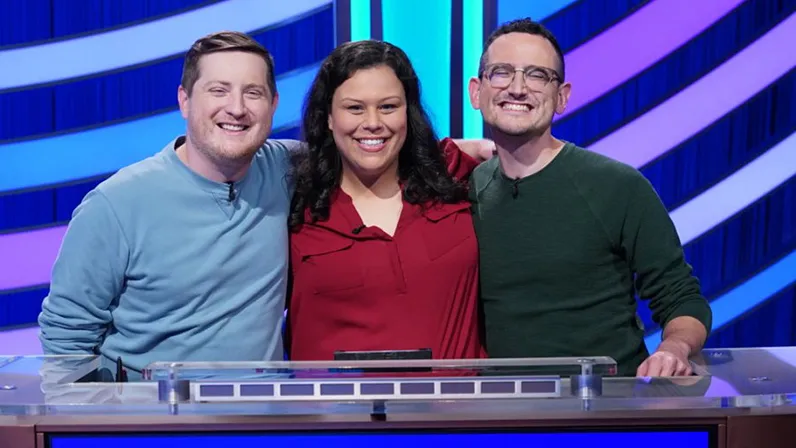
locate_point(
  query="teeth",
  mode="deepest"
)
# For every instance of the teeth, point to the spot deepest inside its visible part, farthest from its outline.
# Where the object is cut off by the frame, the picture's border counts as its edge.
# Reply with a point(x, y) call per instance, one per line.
point(372, 141)
point(518, 107)
point(232, 127)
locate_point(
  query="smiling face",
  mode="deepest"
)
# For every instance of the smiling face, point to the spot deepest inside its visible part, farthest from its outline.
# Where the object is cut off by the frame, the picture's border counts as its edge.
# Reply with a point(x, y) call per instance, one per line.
point(230, 108)
point(368, 121)
point(522, 102)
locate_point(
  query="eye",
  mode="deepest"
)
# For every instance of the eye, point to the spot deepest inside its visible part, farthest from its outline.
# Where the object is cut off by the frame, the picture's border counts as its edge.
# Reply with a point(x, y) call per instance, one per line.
point(255, 94)
point(389, 107)
point(500, 73)
point(353, 108)
point(537, 74)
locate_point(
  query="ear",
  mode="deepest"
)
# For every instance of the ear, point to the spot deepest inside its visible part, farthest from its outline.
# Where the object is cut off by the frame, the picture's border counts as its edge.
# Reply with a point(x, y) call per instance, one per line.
point(274, 103)
point(474, 88)
point(329, 121)
point(563, 97)
point(184, 101)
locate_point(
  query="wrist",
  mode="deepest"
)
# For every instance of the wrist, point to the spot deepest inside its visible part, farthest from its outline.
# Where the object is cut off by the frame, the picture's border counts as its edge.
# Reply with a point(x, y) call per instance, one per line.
point(675, 346)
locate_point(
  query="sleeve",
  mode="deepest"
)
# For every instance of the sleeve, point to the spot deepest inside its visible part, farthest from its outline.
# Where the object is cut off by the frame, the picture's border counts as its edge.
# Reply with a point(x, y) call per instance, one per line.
point(663, 278)
point(87, 277)
point(460, 165)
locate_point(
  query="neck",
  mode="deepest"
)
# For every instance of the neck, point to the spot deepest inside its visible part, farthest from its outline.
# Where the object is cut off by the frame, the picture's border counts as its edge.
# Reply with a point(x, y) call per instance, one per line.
point(521, 156)
point(363, 186)
point(216, 170)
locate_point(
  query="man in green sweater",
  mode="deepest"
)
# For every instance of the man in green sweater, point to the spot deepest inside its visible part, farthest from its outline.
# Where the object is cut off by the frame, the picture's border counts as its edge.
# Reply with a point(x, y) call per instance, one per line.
point(569, 237)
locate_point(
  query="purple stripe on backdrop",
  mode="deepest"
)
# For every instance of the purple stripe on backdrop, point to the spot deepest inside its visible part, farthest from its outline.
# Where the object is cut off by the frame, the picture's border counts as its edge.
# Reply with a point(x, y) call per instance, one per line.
point(24, 341)
point(705, 101)
point(26, 258)
point(637, 42)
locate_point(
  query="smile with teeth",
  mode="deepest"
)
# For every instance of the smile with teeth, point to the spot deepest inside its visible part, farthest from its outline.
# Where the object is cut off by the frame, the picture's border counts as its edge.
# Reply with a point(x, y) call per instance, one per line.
point(371, 144)
point(515, 107)
point(371, 141)
point(232, 127)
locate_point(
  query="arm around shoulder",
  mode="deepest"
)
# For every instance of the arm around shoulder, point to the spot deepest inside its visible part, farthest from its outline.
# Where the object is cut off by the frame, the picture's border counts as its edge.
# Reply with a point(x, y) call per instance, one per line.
point(87, 278)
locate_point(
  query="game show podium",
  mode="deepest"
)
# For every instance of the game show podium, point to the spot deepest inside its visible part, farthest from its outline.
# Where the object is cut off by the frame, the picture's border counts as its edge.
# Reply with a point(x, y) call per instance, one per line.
point(737, 398)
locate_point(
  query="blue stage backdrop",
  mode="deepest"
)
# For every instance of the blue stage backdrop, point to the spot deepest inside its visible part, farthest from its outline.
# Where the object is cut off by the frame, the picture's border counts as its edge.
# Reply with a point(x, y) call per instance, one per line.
point(700, 96)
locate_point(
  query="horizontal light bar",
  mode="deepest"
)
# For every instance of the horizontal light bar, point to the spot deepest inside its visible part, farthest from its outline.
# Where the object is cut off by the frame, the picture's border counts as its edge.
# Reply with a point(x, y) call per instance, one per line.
point(705, 101)
point(107, 149)
point(138, 44)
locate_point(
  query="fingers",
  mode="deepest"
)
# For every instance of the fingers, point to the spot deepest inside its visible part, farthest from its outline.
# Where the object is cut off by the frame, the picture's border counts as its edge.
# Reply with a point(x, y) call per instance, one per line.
point(664, 364)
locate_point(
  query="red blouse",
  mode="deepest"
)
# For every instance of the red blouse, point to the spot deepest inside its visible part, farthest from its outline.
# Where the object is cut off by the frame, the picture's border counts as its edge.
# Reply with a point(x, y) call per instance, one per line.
point(356, 288)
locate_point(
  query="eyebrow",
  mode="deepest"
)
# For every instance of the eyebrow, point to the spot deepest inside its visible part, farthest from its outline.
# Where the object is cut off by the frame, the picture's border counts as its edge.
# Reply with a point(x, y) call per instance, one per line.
point(393, 97)
point(227, 84)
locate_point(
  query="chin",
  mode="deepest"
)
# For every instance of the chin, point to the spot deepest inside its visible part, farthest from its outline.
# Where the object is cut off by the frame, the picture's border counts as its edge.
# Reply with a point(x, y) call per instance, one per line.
point(238, 150)
point(513, 131)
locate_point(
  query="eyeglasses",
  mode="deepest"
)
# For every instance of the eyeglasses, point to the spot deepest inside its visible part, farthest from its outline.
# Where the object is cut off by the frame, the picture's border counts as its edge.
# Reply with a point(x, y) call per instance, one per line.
point(501, 76)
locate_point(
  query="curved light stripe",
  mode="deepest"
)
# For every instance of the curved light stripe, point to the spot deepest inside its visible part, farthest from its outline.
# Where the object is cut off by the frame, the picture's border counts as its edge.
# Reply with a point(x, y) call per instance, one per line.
point(747, 296)
point(141, 43)
point(624, 50)
point(107, 149)
point(736, 192)
point(705, 101)
point(637, 42)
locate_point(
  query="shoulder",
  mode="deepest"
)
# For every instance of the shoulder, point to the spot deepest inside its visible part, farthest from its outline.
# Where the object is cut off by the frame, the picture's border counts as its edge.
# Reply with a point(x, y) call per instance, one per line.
point(140, 179)
point(590, 163)
point(589, 168)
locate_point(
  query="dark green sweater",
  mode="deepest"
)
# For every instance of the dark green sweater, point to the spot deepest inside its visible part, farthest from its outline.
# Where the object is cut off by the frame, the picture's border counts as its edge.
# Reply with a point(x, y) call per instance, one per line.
point(565, 251)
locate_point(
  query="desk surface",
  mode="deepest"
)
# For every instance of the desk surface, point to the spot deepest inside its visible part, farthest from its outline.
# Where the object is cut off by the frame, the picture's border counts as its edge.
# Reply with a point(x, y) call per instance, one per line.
point(727, 381)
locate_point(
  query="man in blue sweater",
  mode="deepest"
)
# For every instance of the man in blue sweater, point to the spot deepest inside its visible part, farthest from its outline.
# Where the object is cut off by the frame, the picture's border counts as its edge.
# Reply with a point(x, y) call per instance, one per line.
point(183, 256)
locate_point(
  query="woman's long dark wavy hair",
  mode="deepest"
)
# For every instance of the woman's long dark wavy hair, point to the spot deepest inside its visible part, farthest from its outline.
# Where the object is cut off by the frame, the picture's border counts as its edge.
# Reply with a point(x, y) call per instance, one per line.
point(317, 172)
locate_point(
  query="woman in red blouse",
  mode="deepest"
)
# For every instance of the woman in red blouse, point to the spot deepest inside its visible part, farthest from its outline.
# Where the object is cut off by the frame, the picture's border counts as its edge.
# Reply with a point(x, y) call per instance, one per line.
point(383, 251)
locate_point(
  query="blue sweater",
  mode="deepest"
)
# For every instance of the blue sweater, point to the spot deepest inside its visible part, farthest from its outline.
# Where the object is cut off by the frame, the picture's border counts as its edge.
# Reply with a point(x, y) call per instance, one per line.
point(158, 264)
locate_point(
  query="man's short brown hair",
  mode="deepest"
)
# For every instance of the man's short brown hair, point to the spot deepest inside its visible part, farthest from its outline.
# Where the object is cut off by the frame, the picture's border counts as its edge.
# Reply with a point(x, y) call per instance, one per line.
point(224, 41)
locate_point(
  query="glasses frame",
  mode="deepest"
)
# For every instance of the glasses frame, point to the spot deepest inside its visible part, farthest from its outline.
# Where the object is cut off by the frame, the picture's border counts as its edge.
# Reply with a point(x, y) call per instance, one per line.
point(552, 75)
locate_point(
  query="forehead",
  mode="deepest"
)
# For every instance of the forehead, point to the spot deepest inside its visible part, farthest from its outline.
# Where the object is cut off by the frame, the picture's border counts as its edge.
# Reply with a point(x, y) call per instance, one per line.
point(230, 66)
point(522, 49)
point(374, 82)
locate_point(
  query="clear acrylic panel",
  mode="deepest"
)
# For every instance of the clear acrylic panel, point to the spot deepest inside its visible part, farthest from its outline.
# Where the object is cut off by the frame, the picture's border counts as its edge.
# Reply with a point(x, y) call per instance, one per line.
point(723, 378)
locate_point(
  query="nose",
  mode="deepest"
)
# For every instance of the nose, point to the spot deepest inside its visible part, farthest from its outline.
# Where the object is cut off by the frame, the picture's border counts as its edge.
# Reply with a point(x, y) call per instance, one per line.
point(372, 121)
point(518, 88)
point(235, 105)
